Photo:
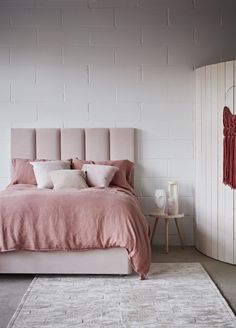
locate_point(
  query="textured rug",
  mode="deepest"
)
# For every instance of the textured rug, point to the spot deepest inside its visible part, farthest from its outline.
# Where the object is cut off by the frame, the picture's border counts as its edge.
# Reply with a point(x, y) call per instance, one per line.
point(174, 295)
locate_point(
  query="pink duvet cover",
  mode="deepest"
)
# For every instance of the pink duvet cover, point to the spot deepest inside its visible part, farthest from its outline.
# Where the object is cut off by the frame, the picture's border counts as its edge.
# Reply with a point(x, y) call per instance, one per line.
point(34, 219)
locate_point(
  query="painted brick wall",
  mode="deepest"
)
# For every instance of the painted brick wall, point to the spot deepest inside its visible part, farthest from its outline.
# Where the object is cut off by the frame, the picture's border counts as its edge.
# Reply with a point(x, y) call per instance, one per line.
point(107, 63)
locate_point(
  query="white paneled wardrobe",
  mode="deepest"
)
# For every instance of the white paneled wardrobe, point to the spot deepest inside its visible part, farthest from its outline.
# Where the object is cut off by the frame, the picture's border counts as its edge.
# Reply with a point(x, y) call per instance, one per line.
point(215, 203)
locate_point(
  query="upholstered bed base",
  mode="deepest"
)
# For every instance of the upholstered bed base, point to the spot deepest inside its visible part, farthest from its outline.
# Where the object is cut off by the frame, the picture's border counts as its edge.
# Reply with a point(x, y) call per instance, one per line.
point(93, 144)
point(105, 261)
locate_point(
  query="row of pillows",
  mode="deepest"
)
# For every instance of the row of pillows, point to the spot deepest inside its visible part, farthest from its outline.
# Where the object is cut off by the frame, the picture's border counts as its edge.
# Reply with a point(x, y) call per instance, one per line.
point(58, 175)
point(118, 173)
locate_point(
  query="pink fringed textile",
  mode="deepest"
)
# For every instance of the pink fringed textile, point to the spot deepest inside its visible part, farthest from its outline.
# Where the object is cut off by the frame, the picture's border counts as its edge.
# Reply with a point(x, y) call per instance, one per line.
point(229, 165)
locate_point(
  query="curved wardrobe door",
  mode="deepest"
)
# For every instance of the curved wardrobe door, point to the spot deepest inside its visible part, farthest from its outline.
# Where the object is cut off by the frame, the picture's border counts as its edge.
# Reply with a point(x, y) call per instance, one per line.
point(214, 201)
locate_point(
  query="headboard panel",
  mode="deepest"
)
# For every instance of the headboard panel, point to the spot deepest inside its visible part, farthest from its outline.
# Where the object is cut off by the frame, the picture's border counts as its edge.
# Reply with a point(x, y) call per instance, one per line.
point(92, 144)
point(72, 143)
point(97, 144)
point(48, 143)
point(121, 143)
point(23, 143)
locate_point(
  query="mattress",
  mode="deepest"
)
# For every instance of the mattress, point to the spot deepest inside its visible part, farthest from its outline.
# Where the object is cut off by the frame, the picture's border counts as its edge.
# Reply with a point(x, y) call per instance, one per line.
point(70, 220)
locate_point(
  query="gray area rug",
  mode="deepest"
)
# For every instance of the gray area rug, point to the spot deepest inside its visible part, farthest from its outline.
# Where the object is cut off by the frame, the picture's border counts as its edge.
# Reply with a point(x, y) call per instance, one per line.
point(174, 295)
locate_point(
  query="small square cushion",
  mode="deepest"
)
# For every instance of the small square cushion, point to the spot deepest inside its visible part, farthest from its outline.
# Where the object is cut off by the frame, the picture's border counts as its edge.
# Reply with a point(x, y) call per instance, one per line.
point(68, 179)
point(99, 175)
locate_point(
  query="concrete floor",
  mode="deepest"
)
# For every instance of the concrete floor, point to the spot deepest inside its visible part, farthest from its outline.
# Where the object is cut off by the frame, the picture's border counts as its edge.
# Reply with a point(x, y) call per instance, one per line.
point(13, 287)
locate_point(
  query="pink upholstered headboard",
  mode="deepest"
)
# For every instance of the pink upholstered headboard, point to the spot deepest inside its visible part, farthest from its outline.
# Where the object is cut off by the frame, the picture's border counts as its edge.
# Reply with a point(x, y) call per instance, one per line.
point(91, 144)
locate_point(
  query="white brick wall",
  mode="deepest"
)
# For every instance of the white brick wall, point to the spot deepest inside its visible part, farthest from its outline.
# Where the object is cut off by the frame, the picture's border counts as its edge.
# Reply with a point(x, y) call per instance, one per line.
point(107, 63)
point(4, 55)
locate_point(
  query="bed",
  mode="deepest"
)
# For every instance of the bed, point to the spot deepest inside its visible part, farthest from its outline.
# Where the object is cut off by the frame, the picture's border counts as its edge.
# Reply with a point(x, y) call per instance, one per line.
point(98, 144)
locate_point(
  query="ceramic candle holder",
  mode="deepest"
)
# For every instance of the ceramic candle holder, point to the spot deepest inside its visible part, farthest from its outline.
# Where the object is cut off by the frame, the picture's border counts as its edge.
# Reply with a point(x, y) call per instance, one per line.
point(160, 200)
point(173, 202)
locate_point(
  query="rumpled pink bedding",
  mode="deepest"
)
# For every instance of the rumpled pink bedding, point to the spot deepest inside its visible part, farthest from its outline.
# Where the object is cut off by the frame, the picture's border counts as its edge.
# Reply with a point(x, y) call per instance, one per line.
point(68, 219)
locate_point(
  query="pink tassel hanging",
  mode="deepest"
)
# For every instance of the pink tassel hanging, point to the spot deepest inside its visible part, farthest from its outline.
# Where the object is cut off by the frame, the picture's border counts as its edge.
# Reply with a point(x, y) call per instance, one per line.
point(229, 164)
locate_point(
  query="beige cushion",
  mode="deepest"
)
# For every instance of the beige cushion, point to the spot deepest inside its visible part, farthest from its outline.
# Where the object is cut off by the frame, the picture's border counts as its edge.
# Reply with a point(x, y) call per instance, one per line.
point(99, 175)
point(68, 179)
point(42, 170)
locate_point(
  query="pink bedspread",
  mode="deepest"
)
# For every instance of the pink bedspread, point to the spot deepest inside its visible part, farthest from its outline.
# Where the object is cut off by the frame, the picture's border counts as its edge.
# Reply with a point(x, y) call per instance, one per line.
point(34, 219)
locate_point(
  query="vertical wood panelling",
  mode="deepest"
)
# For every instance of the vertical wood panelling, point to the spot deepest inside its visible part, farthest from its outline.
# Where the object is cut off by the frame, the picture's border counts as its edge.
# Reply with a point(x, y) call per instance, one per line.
point(208, 159)
point(214, 161)
point(215, 227)
point(203, 160)
point(198, 131)
point(221, 187)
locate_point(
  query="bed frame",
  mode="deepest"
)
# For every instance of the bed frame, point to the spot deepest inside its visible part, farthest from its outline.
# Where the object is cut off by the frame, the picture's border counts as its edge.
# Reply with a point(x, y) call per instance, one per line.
point(96, 144)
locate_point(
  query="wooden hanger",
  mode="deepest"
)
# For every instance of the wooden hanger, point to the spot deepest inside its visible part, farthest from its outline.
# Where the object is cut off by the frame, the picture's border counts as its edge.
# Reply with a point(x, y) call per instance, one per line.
point(226, 94)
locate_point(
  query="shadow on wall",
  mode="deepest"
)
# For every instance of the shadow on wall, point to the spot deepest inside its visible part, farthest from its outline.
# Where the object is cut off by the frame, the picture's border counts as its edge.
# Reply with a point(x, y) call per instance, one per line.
point(201, 35)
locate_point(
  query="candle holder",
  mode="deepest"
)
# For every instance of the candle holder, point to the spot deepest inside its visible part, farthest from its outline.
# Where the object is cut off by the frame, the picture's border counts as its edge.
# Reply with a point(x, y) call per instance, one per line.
point(160, 200)
point(173, 201)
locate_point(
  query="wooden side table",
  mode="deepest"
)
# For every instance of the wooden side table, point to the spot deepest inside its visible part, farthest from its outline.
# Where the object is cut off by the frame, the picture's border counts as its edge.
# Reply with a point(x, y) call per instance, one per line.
point(167, 217)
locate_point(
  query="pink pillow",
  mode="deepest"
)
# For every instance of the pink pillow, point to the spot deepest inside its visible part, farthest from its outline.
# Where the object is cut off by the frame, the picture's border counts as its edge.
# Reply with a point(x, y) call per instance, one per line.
point(77, 163)
point(124, 176)
point(99, 175)
point(23, 172)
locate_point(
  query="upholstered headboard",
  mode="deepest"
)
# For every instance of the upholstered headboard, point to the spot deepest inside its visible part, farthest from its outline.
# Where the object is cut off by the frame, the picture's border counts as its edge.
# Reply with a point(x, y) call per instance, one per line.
point(91, 144)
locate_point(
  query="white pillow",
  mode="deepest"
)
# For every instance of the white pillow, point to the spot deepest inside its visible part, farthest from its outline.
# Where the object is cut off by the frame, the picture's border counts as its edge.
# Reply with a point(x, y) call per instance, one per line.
point(42, 169)
point(99, 175)
point(68, 179)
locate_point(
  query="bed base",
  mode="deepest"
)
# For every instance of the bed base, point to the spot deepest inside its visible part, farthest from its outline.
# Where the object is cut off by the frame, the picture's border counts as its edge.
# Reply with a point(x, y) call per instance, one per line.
point(98, 261)
point(95, 143)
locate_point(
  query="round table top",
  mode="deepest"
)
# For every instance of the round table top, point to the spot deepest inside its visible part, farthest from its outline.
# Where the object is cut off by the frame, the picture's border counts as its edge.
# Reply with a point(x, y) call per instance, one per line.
point(167, 216)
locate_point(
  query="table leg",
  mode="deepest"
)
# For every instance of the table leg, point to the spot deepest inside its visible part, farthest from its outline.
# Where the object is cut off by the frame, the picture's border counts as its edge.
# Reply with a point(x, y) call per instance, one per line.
point(154, 229)
point(179, 233)
point(167, 235)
